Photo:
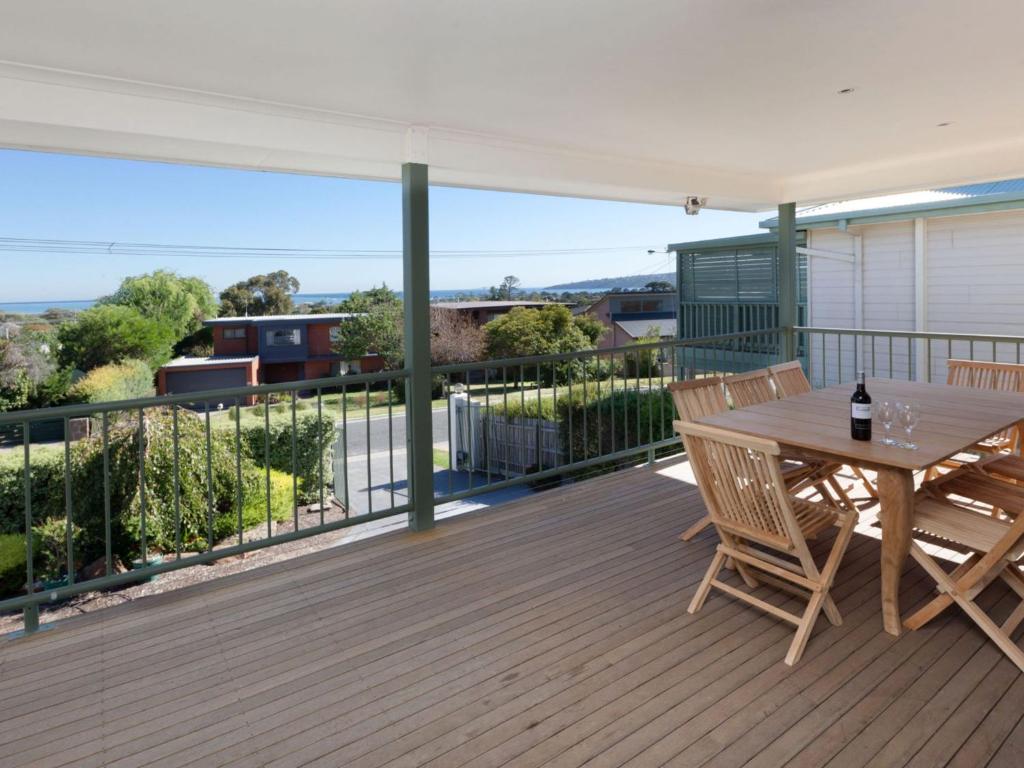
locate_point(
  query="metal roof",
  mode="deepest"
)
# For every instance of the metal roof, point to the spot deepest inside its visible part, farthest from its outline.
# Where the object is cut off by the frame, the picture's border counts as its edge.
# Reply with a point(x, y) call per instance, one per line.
point(489, 304)
point(197, 362)
point(264, 319)
point(638, 328)
point(965, 198)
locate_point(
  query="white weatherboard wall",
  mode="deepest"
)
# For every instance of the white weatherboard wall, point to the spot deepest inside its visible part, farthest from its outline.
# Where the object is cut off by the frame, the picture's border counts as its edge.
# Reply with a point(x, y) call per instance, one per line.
point(974, 274)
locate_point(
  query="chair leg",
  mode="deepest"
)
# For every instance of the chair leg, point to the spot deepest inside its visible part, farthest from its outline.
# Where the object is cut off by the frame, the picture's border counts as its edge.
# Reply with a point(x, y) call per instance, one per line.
point(973, 611)
point(705, 585)
point(696, 528)
point(928, 612)
point(832, 612)
point(868, 485)
point(803, 630)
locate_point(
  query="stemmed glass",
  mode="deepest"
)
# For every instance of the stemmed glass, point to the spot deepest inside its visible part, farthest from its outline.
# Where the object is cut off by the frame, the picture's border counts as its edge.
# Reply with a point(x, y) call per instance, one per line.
point(907, 416)
point(885, 412)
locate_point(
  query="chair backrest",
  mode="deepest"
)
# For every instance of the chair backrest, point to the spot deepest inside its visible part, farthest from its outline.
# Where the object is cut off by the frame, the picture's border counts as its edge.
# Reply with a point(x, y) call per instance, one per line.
point(981, 374)
point(789, 379)
point(746, 389)
point(698, 397)
point(741, 482)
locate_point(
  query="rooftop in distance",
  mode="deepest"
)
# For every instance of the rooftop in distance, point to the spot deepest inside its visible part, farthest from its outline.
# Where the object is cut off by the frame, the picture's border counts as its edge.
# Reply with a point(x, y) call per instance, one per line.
point(322, 318)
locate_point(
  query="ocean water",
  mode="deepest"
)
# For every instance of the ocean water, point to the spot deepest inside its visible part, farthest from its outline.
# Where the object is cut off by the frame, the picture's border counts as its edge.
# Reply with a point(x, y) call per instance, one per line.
point(38, 307)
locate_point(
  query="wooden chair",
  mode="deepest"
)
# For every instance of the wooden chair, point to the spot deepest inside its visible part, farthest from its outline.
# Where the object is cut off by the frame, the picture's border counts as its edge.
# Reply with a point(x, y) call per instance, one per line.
point(789, 380)
point(752, 388)
point(995, 546)
point(1001, 377)
point(706, 397)
point(740, 478)
point(996, 481)
point(698, 397)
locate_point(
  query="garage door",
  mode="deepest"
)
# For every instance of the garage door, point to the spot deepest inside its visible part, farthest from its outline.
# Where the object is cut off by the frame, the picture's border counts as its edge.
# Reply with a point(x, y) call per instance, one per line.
point(183, 382)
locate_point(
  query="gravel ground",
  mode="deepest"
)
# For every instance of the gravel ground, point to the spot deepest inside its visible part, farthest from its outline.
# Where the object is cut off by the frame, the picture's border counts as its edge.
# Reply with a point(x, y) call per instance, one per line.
point(166, 582)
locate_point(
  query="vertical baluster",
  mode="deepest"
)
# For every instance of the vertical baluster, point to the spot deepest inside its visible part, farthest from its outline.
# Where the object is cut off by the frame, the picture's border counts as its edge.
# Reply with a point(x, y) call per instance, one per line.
point(176, 459)
point(910, 359)
point(295, 463)
point(209, 479)
point(504, 402)
point(540, 457)
point(320, 446)
point(839, 352)
point(369, 468)
point(344, 445)
point(107, 541)
point(448, 407)
point(239, 495)
point(568, 377)
point(928, 348)
point(890, 356)
point(69, 531)
point(142, 487)
point(487, 413)
point(30, 615)
point(391, 448)
point(971, 350)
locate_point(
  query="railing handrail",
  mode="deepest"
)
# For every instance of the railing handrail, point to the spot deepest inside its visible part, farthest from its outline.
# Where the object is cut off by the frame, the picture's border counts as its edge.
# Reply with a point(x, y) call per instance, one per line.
point(967, 337)
point(558, 357)
point(91, 409)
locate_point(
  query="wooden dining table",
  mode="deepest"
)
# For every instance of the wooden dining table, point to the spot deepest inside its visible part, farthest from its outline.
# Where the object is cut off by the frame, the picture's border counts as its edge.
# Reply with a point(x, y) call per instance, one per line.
point(816, 425)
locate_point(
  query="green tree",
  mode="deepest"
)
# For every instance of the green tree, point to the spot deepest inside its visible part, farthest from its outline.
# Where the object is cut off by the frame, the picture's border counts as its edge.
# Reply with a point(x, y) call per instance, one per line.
point(506, 289)
point(524, 332)
point(364, 301)
point(180, 303)
point(260, 295)
point(660, 286)
point(110, 333)
point(15, 386)
point(377, 331)
point(591, 327)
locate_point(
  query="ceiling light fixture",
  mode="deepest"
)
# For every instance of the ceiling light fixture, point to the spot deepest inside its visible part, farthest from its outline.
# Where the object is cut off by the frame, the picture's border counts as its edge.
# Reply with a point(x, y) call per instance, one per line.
point(844, 91)
point(943, 125)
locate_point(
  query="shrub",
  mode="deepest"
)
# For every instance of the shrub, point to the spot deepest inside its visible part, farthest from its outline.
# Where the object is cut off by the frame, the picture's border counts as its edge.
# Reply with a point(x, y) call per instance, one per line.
point(87, 487)
point(12, 564)
point(615, 422)
point(127, 380)
point(309, 461)
point(254, 507)
point(49, 540)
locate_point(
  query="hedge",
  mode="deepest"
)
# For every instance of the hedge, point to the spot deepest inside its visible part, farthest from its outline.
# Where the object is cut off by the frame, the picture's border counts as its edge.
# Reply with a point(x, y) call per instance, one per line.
point(627, 420)
point(87, 487)
point(12, 564)
point(309, 461)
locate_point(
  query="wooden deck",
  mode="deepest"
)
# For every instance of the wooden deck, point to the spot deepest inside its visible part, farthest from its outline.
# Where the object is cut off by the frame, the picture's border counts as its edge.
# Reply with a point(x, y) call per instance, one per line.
point(547, 632)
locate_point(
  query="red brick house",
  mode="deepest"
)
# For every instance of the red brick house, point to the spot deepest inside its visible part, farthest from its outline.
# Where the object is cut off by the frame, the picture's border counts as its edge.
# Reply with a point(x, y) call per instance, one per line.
point(264, 350)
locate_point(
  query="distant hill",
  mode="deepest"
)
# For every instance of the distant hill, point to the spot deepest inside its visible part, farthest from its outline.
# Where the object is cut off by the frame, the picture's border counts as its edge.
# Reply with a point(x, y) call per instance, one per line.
point(607, 283)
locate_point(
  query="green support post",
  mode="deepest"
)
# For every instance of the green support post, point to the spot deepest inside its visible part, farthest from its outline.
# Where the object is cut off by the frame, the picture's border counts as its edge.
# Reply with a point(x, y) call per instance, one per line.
point(788, 288)
point(416, 297)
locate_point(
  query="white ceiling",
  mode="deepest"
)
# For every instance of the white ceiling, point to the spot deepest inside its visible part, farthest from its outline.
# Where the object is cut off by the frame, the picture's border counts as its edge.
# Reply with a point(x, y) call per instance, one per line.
point(644, 100)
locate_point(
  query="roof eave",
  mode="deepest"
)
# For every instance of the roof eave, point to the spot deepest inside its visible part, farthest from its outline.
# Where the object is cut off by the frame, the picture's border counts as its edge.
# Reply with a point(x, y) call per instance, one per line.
point(959, 207)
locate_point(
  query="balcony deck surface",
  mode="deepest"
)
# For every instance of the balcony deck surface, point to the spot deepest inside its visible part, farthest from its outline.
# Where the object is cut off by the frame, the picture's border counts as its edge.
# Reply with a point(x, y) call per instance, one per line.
point(550, 631)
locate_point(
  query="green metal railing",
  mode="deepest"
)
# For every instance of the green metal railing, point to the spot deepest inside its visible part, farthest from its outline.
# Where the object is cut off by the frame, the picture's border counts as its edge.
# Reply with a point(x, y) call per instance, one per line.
point(597, 408)
point(834, 355)
point(342, 405)
point(536, 420)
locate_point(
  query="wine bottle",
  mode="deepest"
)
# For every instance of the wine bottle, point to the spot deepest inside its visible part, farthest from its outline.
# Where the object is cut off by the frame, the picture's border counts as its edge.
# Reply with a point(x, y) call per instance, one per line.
point(860, 411)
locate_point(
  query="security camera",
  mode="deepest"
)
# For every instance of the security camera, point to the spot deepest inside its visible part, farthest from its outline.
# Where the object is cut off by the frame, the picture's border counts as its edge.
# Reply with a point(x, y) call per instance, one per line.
point(694, 204)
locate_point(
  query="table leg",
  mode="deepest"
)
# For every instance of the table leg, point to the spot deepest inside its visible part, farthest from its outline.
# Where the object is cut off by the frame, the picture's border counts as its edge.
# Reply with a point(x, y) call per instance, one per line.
point(896, 495)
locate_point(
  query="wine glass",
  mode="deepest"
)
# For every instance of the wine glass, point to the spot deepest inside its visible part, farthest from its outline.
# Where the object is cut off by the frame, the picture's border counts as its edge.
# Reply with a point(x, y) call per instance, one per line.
point(907, 416)
point(885, 412)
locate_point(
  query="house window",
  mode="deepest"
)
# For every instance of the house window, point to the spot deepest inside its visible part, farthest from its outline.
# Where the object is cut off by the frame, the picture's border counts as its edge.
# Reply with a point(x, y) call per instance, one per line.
point(234, 333)
point(284, 337)
point(631, 305)
point(334, 333)
point(652, 305)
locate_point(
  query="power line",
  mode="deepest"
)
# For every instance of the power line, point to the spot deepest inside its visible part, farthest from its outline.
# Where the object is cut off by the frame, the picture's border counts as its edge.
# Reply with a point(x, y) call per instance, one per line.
point(116, 248)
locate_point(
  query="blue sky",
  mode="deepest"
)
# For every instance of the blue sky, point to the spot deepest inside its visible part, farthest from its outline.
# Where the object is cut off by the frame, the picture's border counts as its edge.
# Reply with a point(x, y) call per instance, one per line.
point(84, 198)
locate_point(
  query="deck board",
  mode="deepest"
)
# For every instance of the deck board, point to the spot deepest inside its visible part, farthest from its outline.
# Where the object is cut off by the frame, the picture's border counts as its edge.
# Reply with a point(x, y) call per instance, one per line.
point(551, 631)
